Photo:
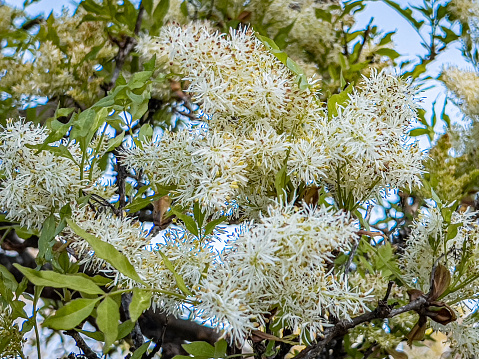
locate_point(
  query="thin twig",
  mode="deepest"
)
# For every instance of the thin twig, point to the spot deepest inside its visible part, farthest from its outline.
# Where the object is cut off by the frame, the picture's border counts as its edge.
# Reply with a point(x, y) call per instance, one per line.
point(350, 259)
point(363, 232)
point(159, 343)
point(365, 38)
point(90, 354)
point(126, 47)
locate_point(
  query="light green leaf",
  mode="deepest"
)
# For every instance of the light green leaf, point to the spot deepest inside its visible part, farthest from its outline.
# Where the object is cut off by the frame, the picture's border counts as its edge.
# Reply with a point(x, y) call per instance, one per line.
point(146, 131)
point(108, 315)
point(115, 142)
point(189, 222)
point(210, 226)
point(179, 279)
point(139, 79)
point(339, 99)
point(140, 351)
point(72, 314)
point(107, 252)
point(140, 302)
point(57, 280)
point(200, 349)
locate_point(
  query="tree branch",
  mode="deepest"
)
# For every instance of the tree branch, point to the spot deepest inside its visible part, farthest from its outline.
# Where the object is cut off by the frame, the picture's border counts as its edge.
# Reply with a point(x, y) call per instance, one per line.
point(125, 47)
point(342, 327)
point(89, 354)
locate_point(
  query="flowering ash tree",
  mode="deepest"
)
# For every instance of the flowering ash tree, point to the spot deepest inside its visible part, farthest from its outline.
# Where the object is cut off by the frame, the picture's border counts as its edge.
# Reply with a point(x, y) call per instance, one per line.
point(272, 148)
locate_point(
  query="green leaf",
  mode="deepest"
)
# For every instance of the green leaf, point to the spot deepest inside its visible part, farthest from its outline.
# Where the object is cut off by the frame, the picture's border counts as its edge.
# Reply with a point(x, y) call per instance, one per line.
point(60, 150)
point(160, 12)
point(323, 14)
point(46, 240)
point(138, 354)
point(148, 5)
point(200, 349)
point(210, 226)
point(178, 278)
point(418, 132)
point(387, 38)
point(339, 99)
point(125, 328)
point(221, 347)
point(281, 179)
point(452, 230)
point(189, 222)
point(282, 35)
point(83, 124)
point(72, 314)
point(139, 79)
point(406, 13)
point(98, 336)
point(150, 64)
point(57, 280)
point(139, 202)
point(7, 279)
point(140, 302)
point(107, 252)
point(108, 315)
point(198, 214)
point(392, 54)
point(115, 142)
point(146, 131)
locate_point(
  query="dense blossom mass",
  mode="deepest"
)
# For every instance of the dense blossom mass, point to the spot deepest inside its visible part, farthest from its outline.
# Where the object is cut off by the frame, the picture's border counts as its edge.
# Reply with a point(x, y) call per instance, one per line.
point(258, 120)
point(251, 165)
point(257, 123)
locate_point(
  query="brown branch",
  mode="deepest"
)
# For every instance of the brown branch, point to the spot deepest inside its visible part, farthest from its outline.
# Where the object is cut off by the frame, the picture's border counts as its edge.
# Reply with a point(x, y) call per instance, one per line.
point(125, 48)
point(89, 354)
point(159, 342)
point(342, 327)
point(363, 232)
point(136, 334)
point(365, 38)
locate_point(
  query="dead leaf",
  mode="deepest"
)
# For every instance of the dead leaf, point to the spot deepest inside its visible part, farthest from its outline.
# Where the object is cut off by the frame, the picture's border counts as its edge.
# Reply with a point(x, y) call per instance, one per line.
point(396, 355)
point(440, 282)
point(311, 196)
point(414, 294)
point(441, 313)
point(418, 331)
point(160, 207)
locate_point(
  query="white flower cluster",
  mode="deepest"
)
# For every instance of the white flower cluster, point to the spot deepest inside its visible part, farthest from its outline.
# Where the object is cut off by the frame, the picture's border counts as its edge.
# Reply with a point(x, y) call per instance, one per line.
point(189, 256)
point(370, 141)
point(431, 240)
point(32, 185)
point(282, 262)
point(57, 68)
point(258, 118)
point(465, 87)
point(463, 336)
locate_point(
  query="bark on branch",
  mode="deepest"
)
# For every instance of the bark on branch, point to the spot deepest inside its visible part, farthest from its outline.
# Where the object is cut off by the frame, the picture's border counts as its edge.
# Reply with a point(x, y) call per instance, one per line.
point(341, 328)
